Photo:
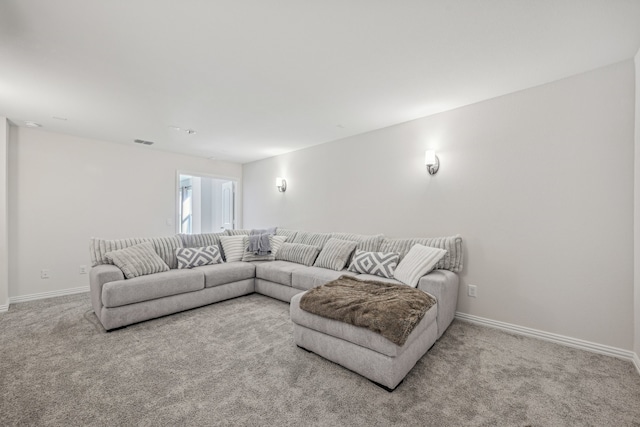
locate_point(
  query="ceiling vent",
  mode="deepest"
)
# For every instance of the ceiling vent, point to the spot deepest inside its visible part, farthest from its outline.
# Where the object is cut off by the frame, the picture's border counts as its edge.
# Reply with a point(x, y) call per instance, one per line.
point(142, 141)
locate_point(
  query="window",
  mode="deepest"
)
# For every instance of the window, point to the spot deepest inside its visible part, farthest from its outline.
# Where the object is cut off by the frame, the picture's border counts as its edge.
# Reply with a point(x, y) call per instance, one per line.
point(205, 204)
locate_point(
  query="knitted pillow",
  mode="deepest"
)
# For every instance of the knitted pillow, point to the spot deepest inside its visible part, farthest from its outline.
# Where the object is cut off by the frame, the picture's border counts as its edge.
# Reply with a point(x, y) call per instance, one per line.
point(419, 261)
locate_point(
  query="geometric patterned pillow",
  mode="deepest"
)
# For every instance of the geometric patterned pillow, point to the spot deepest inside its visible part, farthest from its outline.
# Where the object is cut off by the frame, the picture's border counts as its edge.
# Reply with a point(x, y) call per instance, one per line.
point(378, 263)
point(195, 257)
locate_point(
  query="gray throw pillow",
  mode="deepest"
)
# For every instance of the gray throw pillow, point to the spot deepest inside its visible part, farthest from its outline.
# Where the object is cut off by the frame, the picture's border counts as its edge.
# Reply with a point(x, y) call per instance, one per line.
point(335, 254)
point(196, 257)
point(137, 260)
point(297, 252)
point(379, 263)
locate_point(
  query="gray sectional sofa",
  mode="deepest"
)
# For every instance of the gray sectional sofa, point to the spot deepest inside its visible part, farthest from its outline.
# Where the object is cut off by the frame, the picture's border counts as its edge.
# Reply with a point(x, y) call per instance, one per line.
point(118, 301)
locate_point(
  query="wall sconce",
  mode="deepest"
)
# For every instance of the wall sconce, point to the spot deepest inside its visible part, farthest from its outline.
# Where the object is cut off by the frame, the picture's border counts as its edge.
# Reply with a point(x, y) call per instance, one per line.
point(432, 162)
point(281, 183)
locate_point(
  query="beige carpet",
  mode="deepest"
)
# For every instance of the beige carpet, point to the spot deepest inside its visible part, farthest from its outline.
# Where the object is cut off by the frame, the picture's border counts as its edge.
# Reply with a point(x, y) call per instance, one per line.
point(234, 363)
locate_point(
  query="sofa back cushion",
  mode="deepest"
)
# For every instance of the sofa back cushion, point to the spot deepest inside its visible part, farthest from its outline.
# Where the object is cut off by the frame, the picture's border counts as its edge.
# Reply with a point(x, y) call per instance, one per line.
point(289, 234)
point(137, 260)
point(298, 253)
point(201, 240)
point(452, 260)
point(367, 243)
point(313, 239)
point(165, 247)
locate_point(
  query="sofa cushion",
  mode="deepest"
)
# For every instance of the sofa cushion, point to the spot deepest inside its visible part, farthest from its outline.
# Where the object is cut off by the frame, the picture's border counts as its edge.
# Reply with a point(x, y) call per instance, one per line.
point(238, 232)
point(233, 247)
point(378, 263)
point(310, 238)
point(368, 243)
point(196, 257)
point(298, 253)
point(335, 254)
point(309, 277)
point(222, 274)
point(137, 260)
point(453, 245)
point(289, 234)
point(419, 261)
point(276, 243)
point(144, 288)
point(277, 271)
point(201, 240)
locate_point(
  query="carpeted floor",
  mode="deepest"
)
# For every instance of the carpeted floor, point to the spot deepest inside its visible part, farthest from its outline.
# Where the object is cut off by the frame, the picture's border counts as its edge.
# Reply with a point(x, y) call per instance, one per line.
point(234, 363)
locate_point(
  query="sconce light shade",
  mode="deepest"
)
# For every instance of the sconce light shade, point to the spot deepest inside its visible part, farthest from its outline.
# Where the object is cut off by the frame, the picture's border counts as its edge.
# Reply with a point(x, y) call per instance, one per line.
point(432, 162)
point(281, 183)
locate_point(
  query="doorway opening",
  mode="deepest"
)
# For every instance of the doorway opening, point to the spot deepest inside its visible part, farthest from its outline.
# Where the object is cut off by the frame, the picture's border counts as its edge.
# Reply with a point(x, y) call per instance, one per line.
point(205, 204)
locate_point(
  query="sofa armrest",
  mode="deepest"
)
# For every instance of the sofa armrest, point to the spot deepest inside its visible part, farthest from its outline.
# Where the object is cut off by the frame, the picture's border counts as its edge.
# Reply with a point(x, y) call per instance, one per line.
point(98, 276)
point(443, 285)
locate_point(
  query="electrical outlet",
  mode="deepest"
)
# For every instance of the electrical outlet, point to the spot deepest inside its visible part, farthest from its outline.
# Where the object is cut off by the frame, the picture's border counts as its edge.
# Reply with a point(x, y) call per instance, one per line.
point(45, 274)
point(472, 291)
point(84, 269)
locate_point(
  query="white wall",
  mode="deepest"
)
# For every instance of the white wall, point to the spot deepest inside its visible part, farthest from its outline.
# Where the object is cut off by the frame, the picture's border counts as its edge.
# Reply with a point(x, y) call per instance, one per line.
point(64, 190)
point(539, 183)
point(637, 210)
point(4, 217)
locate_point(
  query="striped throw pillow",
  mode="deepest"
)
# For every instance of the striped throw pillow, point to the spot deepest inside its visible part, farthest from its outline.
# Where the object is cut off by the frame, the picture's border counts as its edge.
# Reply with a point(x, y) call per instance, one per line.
point(137, 260)
point(365, 243)
point(297, 252)
point(335, 254)
point(379, 263)
point(233, 247)
point(419, 261)
point(165, 247)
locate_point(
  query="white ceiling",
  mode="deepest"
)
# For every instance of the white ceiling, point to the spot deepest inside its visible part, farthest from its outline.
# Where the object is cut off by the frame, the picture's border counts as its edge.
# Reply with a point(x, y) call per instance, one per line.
point(257, 78)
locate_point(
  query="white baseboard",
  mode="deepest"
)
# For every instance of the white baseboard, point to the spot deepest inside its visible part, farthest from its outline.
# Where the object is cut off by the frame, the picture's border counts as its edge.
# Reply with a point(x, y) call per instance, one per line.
point(50, 294)
point(559, 339)
point(636, 361)
point(4, 307)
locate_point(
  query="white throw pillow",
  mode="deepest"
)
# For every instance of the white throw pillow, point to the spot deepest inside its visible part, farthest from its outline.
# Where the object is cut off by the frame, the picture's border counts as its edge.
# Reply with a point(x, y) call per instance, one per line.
point(233, 247)
point(419, 261)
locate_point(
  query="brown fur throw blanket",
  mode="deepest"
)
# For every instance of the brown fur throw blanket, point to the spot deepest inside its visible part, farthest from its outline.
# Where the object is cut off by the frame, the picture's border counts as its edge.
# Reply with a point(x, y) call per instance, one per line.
point(388, 309)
